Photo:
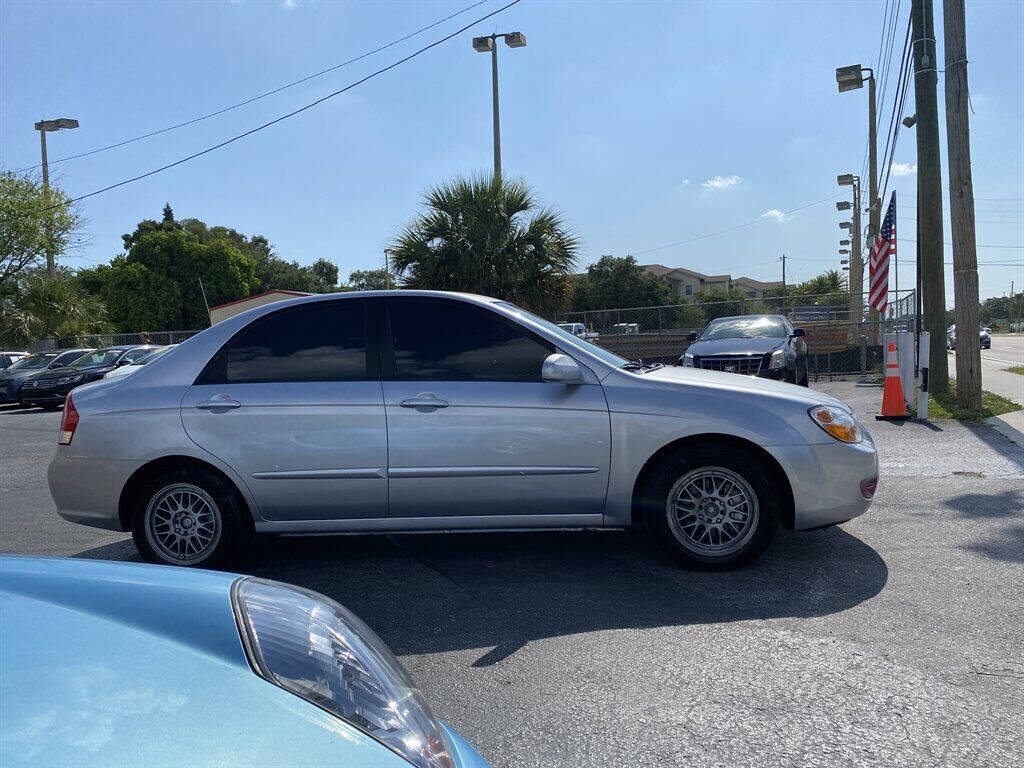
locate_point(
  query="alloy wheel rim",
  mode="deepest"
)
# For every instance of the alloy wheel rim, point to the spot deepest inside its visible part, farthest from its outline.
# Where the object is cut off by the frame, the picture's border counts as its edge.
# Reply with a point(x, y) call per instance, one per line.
point(183, 524)
point(712, 511)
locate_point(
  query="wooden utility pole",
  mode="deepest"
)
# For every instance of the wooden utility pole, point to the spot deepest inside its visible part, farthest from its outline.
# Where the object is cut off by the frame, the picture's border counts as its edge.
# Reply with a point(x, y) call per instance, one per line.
point(929, 193)
point(961, 209)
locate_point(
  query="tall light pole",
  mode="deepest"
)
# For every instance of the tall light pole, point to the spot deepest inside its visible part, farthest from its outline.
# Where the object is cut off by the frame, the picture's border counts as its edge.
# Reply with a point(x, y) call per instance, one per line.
point(63, 123)
point(856, 258)
point(489, 43)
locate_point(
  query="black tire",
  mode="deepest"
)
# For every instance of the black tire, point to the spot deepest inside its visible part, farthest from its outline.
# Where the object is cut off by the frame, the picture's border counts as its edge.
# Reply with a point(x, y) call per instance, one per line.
point(233, 530)
point(49, 406)
point(723, 461)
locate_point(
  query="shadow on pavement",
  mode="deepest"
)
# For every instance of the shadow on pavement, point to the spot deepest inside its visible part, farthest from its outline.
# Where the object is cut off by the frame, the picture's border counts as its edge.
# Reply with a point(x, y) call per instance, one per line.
point(433, 593)
point(1008, 542)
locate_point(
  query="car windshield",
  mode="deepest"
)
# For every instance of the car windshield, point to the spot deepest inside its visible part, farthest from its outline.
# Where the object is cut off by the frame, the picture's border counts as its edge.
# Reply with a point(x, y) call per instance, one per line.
point(745, 328)
point(151, 356)
point(32, 362)
point(595, 350)
point(99, 357)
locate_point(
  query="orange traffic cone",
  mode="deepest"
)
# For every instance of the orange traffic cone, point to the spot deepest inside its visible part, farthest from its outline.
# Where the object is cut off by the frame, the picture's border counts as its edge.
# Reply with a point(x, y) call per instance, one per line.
point(894, 406)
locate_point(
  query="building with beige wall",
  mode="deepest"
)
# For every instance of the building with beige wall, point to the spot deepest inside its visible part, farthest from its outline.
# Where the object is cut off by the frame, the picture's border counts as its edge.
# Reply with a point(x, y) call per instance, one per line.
point(686, 282)
point(232, 308)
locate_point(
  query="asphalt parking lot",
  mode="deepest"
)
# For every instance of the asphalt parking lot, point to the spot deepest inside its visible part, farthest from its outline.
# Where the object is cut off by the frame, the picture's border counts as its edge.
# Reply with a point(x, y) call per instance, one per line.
point(895, 639)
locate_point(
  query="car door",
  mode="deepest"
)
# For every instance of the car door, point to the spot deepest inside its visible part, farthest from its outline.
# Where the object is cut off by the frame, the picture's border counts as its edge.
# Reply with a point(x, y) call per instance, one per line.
point(472, 428)
point(293, 404)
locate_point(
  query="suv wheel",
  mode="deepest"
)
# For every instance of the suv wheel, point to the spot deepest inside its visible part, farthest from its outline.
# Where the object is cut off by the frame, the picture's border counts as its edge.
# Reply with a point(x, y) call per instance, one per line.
point(188, 517)
point(712, 507)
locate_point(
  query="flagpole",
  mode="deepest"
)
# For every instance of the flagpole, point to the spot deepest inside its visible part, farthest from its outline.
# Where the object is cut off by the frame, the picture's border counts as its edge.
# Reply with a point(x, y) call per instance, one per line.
point(896, 263)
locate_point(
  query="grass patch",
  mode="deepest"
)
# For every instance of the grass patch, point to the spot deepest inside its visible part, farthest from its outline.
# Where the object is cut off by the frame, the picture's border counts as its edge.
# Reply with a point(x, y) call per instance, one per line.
point(945, 406)
point(1016, 369)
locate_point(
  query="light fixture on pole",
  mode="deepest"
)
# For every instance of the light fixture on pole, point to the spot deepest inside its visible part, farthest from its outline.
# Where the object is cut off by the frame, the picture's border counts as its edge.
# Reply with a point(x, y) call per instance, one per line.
point(843, 205)
point(844, 242)
point(60, 124)
point(845, 224)
point(844, 261)
point(844, 250)
point(483, 45)
point(856, 262)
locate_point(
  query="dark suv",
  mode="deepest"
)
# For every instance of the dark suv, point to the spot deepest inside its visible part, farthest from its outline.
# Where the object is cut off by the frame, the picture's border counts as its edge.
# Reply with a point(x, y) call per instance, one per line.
point(753, 345)
point(48, 388)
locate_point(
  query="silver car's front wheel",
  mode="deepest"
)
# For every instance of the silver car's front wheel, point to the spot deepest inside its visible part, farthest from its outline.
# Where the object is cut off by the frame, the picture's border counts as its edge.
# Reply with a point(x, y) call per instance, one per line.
point(183, 524)
point(712, 511)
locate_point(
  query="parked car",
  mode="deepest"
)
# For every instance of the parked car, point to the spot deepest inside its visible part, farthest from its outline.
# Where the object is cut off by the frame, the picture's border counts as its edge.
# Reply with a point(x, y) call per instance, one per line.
point(362, 412)
point(986, 337)
point(13, 377)
point(578, 329)
point(625, 328)
point(7, 358)
point(48, 388)
point(109, 663)
point(752, 345)
point(126, 370)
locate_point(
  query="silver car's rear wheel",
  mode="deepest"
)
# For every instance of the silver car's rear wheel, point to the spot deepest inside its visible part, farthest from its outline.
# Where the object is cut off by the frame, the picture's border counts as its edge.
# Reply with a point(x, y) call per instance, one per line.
point(183, 524)
point(712, 511)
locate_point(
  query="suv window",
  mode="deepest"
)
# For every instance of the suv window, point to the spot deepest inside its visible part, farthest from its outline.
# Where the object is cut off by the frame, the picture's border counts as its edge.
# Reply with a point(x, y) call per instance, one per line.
point(451, 341)
point(325, 341)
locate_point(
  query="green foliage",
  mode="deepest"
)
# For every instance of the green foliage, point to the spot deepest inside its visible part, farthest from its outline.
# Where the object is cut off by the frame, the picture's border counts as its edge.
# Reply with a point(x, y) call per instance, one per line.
point(33, 307)
point(1001, 310)
point(370, 280)
point(136, 297)
point(944, 405)
point(490, 236)
point(827, 289)
point(618, 282)
point(325, 276)
point(726, 303)
point(26, 211)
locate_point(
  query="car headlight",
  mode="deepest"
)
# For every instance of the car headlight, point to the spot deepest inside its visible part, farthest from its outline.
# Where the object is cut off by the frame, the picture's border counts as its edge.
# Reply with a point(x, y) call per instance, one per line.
point(842, 425)
point(778, 360)
point(688, 360)
point(313, 647)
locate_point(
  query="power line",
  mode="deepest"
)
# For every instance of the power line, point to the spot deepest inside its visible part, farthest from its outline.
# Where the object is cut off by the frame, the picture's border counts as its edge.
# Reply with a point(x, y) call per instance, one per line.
point(976, 221)
point(759, 220)
point(260, 96)
point(899, 101)
point(284, 117)
point(1014, 247)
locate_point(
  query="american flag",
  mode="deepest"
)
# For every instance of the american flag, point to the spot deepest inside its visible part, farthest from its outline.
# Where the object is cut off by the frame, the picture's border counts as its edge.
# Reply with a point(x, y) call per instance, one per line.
point(878, 265)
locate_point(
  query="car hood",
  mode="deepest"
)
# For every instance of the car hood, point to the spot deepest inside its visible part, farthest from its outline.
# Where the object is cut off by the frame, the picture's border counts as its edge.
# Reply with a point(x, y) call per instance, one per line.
point(67, 370)
point(104, 662)
point(19, 375)
point(735, 346)
point(753, 385)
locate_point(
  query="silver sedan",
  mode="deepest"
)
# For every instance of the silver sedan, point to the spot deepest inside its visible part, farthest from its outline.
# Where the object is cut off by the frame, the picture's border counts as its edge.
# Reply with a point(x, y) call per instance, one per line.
point(417, 411)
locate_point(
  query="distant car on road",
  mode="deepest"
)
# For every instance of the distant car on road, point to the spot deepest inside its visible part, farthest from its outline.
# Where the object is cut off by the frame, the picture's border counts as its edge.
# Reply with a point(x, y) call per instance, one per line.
point(14, 376)
point(364, 412)
point(752, 345)
point(7, 358)
point(118, 664)
point(625, 328)
point(985, 337)
point(126, 370)
point(48, 388)
point(578, 329)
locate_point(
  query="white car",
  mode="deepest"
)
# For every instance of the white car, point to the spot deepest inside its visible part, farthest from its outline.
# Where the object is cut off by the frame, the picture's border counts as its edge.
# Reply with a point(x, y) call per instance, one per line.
point(578, 329)
point(127, 370)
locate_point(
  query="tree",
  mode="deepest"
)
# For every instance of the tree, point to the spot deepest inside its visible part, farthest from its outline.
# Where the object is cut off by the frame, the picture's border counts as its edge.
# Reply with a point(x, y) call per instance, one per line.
point(619, 282)
point(719, 303)
point(489, 235)
point(136, 297)
point(33, 307)
point(370, 280)
point(325, 276)
point(25, 212)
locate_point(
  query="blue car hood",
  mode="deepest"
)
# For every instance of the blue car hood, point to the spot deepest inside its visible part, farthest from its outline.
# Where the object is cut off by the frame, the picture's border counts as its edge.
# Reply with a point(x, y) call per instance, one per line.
point(735, 346)
point(122, 664)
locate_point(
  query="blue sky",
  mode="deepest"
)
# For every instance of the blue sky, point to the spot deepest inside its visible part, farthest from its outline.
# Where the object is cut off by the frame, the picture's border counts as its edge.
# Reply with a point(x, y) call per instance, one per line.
point(644, 123)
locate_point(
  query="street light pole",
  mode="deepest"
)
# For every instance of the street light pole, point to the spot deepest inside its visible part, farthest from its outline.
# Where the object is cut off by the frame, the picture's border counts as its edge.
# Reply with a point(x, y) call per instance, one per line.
point(856, 257)
point(43, 126)
point(489, 43)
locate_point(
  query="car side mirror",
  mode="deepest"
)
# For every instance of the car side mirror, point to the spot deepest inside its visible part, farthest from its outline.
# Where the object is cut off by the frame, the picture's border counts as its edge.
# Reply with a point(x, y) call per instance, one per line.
point(799, 332)
point(119, 363)
point(692, 336)
point(561, 369)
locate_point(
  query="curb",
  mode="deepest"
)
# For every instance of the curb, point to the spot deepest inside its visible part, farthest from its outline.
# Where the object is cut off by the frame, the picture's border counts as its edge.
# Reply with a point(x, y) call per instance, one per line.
point(1010, 425)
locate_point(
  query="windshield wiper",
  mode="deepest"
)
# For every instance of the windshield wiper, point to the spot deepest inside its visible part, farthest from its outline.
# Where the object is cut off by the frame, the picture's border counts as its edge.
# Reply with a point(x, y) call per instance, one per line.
point(636, 365)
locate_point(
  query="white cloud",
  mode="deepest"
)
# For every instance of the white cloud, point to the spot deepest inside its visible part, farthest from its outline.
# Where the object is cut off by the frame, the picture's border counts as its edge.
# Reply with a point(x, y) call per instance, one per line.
point(721, 182)
point(686, 182)
point(775, 215)
point(904, 169)
point(290, 4)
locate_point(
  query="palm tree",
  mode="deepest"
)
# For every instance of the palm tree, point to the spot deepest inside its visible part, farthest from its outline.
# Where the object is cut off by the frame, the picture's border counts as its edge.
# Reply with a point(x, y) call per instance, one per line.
point(489, 235)
point(34, 307)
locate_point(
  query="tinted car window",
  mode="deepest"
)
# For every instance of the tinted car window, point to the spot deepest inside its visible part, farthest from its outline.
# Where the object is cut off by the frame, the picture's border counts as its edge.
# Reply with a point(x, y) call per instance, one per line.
point(134, 354)
point(446, 340)
point(318, 342)
point(99, 357)
point(33, 362)
point(66, 358)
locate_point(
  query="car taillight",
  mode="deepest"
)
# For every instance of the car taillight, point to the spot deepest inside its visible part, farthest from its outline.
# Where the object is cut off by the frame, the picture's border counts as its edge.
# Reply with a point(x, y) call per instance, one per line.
point(68, 422)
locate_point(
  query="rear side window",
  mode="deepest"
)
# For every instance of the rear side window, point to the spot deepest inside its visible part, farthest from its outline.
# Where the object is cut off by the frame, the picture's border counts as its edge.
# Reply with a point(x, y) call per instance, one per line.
point(325, 341)
point(450, 341)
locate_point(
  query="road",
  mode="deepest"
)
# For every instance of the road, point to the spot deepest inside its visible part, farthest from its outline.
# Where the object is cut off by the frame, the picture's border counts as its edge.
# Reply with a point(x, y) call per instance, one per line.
point(893, 640)
point(1007, 350)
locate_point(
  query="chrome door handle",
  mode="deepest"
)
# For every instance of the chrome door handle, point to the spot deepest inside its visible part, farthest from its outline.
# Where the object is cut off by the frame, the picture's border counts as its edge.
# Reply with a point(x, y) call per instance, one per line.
point(424, 402)
point(210, 405)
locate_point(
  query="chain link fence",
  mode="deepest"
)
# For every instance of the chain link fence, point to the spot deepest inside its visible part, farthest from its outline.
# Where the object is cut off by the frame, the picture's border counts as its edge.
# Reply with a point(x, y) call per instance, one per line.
point(99, 340)
point(842, 337)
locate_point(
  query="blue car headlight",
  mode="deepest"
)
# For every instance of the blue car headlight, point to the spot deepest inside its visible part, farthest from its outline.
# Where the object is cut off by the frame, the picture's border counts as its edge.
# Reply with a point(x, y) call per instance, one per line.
point(313, 647)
